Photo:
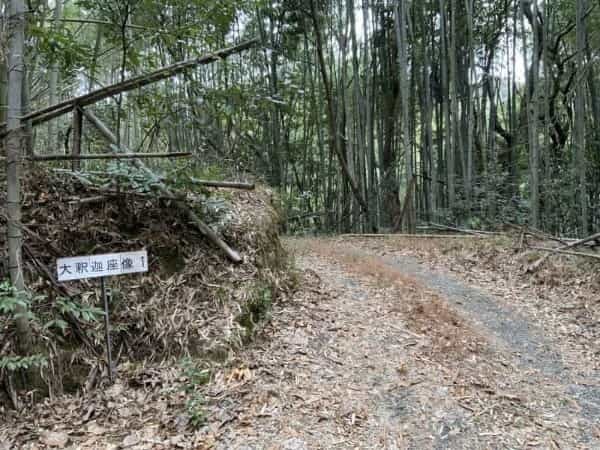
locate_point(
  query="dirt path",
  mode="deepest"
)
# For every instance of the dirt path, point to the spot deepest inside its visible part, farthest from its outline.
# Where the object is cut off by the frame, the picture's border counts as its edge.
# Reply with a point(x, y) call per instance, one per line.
point(375, 350)
point(378, 352)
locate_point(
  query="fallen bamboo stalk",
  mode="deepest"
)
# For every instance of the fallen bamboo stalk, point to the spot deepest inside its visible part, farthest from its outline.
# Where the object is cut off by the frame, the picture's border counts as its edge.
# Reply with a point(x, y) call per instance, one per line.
point(458, 230)
point(192, 217)
point(537, 264)
point(307, 216)
point(208, 183)
point(565, 252)
point(87, 200)
point(224, 184)
point(120, 193)
point(418, 236)
point(44, 115)
point(440, 227)
point(108, 156)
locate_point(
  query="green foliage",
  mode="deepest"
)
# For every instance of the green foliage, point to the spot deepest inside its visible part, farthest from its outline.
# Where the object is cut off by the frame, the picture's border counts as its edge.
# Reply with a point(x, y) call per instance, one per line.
point(195, 376)
point(63, 47)
point(14, 363)
point(257, 307)
point(10, 302)
point(81, 312)
point(195, 407)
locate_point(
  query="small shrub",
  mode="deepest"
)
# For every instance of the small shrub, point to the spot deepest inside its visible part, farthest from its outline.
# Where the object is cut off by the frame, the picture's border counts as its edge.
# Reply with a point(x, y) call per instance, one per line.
point(195, 377)
point(195, 408)
point(257, 307)
point(10, 303)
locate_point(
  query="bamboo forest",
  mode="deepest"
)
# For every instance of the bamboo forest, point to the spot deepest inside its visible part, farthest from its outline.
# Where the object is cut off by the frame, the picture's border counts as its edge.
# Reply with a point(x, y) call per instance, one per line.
point(298, 224)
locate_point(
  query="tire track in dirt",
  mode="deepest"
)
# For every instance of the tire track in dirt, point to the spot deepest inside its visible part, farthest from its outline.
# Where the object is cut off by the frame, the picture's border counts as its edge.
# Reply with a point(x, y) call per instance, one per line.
point(371, 358)
point(522, 338)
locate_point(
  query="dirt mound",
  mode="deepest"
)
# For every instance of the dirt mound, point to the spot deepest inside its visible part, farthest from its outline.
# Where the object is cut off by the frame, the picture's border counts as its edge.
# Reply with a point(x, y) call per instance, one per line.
point(193, 301)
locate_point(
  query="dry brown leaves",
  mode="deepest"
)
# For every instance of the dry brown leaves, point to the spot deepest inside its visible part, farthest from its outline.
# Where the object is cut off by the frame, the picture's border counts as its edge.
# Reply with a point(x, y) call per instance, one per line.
point(358, 360)
point(563, 296)
point(188, 304)
point(425, 312)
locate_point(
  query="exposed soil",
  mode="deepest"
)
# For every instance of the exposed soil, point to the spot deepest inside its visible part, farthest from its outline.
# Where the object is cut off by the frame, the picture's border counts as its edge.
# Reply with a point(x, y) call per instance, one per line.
point(384, 346)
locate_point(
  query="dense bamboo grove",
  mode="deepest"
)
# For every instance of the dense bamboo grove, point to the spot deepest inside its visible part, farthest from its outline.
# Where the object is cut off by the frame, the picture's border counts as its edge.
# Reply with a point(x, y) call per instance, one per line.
point(363, 114)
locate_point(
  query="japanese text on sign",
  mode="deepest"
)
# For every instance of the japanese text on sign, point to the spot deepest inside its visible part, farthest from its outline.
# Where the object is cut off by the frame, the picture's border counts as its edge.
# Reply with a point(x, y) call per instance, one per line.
point(107, 265)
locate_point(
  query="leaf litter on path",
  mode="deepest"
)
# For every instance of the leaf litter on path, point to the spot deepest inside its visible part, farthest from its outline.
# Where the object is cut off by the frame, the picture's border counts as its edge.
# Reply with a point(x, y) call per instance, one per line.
point(361, 356)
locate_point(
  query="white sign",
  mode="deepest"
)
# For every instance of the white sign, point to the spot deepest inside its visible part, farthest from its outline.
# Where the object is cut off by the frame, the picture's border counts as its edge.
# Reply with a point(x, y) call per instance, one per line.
point(107, 265)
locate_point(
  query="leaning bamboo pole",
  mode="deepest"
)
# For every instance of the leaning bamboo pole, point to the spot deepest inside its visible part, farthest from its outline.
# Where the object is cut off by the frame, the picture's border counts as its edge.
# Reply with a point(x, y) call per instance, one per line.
point(191, 215)
point(42, 158)
point(44, 115)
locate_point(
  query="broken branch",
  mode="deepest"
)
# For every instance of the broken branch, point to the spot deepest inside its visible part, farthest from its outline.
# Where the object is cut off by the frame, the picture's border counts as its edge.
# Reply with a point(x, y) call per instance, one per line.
point(537, 264)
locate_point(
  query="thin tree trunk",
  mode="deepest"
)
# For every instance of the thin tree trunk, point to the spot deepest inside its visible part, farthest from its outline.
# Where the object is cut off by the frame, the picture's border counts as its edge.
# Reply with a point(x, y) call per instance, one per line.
point(331, 119)
point(53, 83)
point(468, 175)
point(449, 141)
point(14, 151)
point(580, 141)
point(426, 121)
point(532, 115)
point(401, 36)
point(454, 129)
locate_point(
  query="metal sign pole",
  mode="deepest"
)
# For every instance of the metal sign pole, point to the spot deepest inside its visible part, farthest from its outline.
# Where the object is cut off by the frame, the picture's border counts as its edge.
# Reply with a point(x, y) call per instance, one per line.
point(101, 266)
point(107, 329)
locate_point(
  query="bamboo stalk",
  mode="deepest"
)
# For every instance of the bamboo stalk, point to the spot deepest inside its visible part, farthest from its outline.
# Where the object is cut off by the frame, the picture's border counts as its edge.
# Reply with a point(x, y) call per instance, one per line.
point(224, 184)
point(565, 252)
point(99, 22)
point(536, 265)
point(77, 135)
point(208, 183)
point(418, 236)
point(45, 114)
point(108, 156)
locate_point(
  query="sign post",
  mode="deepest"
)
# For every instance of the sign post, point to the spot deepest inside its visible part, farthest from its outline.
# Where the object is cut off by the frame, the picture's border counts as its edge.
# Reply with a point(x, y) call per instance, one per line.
point(107, 329)
point(102, 266)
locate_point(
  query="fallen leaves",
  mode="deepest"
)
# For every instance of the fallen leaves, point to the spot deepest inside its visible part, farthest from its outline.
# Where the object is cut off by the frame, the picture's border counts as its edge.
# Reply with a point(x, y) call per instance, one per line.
point(54, 439)
point(239, 375)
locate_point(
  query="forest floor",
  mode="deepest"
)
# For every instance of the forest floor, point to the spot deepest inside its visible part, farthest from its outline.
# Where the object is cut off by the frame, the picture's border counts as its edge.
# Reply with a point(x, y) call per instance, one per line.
point(387, 344)
point(384, 349)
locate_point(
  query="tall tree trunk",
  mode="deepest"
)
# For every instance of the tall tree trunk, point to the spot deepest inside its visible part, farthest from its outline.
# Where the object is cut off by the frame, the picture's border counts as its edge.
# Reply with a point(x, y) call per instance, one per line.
point(53, 82)
point(449, 141)
point(401, 36)
point(580, 141)
point(454, 129)
point(3, 89)
point(14, 153)
point(468, 175)
point(426, 120)
point(369, 106)
point(94, 63)
point(532, 114)
point(359, 126)
point(331, 118)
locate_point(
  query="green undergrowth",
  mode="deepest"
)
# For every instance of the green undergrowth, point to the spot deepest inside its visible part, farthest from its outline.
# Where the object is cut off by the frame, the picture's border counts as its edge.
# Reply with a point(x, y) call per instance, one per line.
point(196, 375)
point(257, 308)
